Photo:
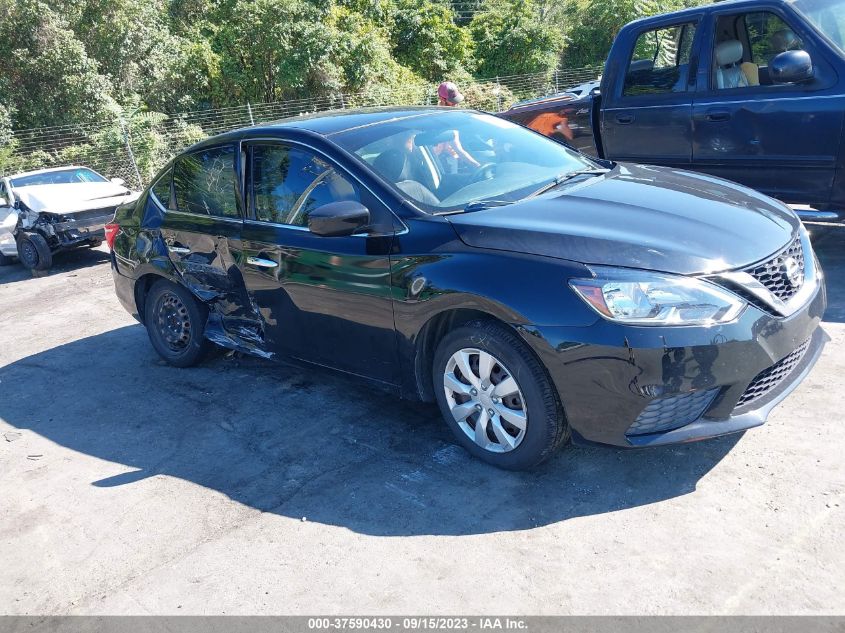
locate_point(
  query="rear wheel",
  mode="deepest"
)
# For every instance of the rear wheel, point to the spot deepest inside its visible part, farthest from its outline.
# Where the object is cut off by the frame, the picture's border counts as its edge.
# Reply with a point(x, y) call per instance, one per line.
point(175, 323)
point(34, 252)
point(496, 396)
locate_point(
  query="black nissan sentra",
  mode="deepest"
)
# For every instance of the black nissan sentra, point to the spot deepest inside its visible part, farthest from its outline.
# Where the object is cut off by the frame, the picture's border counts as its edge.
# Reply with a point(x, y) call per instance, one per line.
point(452, 256)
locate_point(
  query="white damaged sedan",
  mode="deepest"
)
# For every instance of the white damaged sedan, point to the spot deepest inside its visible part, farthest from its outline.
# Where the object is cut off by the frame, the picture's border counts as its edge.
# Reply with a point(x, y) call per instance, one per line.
point(49, 210)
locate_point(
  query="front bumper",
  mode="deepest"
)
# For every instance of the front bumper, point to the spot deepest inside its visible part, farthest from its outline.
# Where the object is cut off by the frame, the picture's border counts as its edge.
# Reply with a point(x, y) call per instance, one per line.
point(608, 375)
point(87, 227)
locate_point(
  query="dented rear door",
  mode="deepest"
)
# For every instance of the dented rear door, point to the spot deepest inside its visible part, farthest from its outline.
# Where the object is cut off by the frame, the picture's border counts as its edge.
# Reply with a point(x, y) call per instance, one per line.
point(202, 233)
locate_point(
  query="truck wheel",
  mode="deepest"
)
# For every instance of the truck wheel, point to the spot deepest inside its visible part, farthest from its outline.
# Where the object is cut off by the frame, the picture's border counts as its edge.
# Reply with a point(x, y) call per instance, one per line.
point(34, 252)
point(496, 396)
point(175, 323)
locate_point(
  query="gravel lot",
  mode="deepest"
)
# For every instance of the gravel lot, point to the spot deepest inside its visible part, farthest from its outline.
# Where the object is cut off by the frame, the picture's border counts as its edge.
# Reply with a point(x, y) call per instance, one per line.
point(247, 487)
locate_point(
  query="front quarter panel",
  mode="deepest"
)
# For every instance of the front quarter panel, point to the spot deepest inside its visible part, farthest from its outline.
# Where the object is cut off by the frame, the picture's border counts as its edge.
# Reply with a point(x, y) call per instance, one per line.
point(433, 272)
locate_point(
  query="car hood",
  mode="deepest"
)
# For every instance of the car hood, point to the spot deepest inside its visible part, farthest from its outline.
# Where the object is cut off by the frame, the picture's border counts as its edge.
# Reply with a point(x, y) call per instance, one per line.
point(74, 197)
point(639, 217)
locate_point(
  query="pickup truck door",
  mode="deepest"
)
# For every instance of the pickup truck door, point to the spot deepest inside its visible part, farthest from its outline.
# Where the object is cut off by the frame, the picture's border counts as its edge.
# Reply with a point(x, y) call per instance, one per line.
point(647, 100)
point(779, 138)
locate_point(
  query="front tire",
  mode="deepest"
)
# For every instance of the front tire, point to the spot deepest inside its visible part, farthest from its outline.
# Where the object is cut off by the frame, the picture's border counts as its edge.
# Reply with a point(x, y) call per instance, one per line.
point(34, 252)
point(175, 323)
point(497, 397)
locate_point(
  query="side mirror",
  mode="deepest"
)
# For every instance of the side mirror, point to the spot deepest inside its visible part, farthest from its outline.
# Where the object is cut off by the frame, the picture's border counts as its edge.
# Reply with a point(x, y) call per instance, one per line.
point(337, 219)
point(117, 181)
point(791, 67)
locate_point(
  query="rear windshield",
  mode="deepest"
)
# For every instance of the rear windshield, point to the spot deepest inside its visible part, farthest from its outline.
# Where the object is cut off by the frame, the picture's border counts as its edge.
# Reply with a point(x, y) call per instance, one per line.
point(63, 177)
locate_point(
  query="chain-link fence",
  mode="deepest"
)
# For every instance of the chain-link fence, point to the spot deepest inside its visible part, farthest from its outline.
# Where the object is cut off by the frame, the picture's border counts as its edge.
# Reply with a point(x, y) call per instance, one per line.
point(134, 144)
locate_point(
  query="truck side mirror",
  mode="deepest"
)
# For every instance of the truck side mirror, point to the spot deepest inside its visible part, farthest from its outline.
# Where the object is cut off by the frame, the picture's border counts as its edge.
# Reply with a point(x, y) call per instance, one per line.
point(791, 67)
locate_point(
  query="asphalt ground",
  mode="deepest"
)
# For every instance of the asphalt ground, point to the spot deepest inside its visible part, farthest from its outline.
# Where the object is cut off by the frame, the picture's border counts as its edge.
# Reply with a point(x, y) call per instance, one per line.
point(247, 487)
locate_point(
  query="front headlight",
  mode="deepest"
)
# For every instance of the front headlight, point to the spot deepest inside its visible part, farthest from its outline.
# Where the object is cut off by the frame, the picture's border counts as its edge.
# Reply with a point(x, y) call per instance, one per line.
point(643, 298)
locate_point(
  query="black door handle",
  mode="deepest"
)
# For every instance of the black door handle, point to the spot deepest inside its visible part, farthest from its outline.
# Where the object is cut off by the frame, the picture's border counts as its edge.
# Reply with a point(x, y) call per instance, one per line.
point(624, 119)
point(718, 116)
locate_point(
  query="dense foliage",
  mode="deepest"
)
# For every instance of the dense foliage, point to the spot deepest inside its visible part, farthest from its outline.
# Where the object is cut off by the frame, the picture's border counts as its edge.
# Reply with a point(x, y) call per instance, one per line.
point(117, 63)
point(75, 59)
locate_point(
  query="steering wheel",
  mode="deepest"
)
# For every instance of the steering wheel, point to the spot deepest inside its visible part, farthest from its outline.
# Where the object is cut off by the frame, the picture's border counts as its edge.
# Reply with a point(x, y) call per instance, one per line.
point(483, 172)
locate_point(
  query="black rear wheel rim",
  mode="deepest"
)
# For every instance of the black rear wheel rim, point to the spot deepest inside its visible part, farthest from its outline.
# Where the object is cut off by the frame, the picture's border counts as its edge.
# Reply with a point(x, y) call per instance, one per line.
point(173, 322)
point(28, 253)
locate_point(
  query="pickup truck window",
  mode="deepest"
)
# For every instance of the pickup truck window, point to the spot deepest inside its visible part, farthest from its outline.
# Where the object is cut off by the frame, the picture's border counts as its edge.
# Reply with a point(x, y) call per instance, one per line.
point(746, 44)
point(828, 16)
point(660, 61)
point(769, 35)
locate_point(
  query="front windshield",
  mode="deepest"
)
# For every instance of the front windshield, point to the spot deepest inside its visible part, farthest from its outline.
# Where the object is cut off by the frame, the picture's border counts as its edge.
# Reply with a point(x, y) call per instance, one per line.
point(443, 161)
point(828, 16)
point(62, 177)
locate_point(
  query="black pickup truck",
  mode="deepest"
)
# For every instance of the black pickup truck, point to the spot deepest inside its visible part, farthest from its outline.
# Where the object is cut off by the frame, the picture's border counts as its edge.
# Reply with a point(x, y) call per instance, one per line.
point(748, 90)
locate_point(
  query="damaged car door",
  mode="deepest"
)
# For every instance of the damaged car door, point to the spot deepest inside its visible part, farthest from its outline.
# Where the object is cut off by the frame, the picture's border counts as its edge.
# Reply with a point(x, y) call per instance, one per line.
point(325, 300)
point(202, 233)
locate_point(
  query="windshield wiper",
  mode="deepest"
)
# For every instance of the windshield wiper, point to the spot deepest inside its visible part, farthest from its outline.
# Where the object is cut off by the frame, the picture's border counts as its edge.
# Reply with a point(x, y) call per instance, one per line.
point(480, 205)
point(569, 175)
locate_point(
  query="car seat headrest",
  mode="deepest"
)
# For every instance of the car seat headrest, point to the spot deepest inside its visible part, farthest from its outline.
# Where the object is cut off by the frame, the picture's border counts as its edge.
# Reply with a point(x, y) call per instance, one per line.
point(728, 53)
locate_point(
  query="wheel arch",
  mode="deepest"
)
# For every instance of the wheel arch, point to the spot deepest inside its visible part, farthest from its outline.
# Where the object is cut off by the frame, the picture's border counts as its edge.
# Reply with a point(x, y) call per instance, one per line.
point(433, 331)
point(143, 284)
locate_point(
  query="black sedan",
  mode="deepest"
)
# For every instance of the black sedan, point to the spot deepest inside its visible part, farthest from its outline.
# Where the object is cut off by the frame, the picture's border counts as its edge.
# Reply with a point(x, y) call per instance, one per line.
point(452, 256)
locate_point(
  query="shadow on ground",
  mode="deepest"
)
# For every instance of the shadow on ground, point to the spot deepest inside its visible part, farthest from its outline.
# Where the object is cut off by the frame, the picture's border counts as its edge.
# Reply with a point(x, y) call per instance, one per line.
point(829, 243)
point(313, 444)
point(67, 261)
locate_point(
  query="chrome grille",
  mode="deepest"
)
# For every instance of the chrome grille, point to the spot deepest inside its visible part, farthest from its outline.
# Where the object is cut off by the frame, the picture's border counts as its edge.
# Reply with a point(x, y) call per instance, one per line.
point(770, 378)
point(672, 412)
point(774, 274)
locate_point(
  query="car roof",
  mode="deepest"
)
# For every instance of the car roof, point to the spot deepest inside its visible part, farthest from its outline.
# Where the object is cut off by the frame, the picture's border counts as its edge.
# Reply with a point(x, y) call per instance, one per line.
point(329, 122)
point(724, 4)
point(333, 121)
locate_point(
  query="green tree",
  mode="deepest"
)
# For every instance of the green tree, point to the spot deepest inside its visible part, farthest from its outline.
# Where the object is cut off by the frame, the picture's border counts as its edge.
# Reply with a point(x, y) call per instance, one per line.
point(271, 50)
point(47, 74)
point(511, 39)
point(427, 40)
point(593, 25)
point(360, 50)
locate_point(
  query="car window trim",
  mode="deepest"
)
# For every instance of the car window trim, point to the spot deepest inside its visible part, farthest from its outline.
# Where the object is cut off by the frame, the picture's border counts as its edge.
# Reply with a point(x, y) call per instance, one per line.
point(249, 215)
point(238, 221)
point(170, 168)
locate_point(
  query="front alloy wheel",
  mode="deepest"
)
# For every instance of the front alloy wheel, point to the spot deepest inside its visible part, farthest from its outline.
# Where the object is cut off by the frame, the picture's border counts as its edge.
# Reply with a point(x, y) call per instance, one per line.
point(485, 400)
point(487, 380)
